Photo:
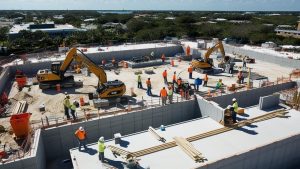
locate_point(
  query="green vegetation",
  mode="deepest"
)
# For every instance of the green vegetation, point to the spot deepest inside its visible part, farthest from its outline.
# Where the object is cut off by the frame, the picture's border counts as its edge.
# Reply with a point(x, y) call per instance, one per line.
point(253, 28)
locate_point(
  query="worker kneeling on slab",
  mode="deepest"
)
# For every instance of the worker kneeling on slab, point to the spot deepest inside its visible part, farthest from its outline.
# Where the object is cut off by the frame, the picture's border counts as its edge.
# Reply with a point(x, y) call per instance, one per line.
point(81, 137)
point(101, 148)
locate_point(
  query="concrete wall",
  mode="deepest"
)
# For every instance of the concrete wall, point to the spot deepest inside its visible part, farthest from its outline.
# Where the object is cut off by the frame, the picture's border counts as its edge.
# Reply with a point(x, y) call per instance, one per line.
point(5, 78)
point(268, 102)
point(61, 139)
point(210, 109)
point(251, 97)
point(282, 154)
point(263, 56)
point(35, 161)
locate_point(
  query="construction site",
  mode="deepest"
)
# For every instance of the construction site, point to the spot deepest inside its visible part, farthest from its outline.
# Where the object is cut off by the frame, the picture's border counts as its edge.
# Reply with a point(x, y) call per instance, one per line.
point(189, 104)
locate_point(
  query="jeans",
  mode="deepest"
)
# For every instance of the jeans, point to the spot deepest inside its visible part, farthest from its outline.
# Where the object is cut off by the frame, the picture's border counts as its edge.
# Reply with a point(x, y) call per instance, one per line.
point(82, 143)
point(149, 93)
point(165, 80)
point(191, 75)
point(140, 86)
point(67, 112)
point(101, 156)
point(205, 83)
point(164, 100)
point(244, 64)
point(197, 87)
point(233, 114)
point(170, 99)
point(73, 114)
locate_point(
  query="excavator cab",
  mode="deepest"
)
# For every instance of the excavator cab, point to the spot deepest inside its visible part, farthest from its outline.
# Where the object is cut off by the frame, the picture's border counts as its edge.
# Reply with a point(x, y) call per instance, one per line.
point(55, 66)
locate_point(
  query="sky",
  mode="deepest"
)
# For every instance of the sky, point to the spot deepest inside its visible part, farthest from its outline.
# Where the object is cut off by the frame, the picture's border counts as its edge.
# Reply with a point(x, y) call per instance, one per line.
point(208, 5)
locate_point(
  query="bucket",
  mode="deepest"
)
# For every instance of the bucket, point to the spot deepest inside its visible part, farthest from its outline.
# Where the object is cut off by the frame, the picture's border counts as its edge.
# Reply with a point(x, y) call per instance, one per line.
point(20, 124)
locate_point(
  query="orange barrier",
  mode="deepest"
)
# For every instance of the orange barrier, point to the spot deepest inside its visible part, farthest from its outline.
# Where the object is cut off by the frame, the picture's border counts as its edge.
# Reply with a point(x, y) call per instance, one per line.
point(20, 124)
point(21, 81)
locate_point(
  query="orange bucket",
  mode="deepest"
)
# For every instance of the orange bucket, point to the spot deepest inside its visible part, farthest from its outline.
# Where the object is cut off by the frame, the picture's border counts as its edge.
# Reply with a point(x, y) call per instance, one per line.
point(20, 124)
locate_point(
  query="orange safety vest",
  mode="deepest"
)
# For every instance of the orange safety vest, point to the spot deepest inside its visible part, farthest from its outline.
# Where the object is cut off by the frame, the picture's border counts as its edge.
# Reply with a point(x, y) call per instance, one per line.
point(206, 78)
point(148, 82)
point(190, 69)
point(163, 93)
point(174, 77)
point(80, 134)
point(163, 57)
point(164, 74)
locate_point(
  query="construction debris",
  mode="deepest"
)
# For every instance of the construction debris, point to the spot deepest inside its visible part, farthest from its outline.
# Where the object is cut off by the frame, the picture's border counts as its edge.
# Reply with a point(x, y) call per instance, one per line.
point(19, 107)
point(156, 135)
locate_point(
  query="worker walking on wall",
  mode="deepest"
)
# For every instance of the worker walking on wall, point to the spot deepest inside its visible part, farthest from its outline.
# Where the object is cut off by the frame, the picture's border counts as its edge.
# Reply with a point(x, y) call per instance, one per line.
point(205, 79)
point(170, 95)
point(139, 80)
point(148, 83)
point(235, 107)
point(190, 70)
point(165, 75)
point(81, 137)
point(67, 106)
point(163, 95)
point(101, 148)
point(163, 58)
point(73, 109)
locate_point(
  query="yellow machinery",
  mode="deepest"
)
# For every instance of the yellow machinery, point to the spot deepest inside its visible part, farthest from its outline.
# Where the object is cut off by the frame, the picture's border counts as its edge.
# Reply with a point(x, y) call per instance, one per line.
point(205, 65)
point(50, 78)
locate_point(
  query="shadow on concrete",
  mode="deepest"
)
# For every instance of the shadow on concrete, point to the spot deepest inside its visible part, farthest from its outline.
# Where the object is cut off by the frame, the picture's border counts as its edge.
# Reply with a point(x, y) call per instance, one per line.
point(90, 151)
point(116, 164)
point(244, 115)
point(274, 108)
point(124, 143)
point(252, 126)
point(252, 132)
point(71, 90)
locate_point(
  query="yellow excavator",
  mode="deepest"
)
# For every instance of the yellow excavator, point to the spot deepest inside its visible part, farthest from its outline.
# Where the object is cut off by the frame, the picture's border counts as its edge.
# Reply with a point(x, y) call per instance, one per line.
point(50, 78)
point(205, 65)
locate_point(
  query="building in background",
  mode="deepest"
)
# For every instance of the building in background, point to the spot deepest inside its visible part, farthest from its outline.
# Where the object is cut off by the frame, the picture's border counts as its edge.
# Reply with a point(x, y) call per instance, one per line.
point(50, 28)
point(288, 32)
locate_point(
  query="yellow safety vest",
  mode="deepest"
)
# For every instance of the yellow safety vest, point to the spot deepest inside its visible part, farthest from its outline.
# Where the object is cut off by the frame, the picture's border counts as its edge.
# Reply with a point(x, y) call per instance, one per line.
point(101, 147)
point(67, 102)
point(235, 106)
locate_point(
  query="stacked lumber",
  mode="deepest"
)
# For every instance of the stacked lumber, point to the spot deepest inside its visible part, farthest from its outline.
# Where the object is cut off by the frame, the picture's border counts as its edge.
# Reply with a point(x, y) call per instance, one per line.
point(189, 149)
point(156, 135)
point(19, 107)
point(120, 152)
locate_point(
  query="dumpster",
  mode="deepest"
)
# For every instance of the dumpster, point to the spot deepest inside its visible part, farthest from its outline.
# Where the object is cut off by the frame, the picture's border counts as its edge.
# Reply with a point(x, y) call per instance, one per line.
point(20, 124)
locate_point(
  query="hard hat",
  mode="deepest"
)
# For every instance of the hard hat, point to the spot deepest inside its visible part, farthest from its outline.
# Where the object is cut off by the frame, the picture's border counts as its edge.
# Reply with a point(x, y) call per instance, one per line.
point(234, 99)
point(101, 139)
point(66, 93)
point(81, 128)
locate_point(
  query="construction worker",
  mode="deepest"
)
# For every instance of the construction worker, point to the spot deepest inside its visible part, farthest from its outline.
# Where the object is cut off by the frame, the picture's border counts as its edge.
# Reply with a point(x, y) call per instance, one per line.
point(101, 148)
point(163, 58)
point(240, 77)
point(205, 79)
point(179, 82)
point(81, 137)
point(148, 83)
point(190, 70)
point(163, 95)
point(174, 77)
point(198, 82)
point(235, 108)
point(139, 80)
point(219, 84)
point(165, 76)
point(73, 109)
point(67, 106)
point(113, 61)
point(170, 95)
point(244, 61)
point(103, 62)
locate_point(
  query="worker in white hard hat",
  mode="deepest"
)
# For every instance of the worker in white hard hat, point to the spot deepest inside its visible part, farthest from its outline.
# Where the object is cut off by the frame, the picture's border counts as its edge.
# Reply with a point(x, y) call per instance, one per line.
point(101, 148)
point(81, 137)
point(234, 109)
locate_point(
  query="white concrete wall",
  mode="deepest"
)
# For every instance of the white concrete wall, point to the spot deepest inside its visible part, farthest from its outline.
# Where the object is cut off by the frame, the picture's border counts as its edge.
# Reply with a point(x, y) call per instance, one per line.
point(210, 109)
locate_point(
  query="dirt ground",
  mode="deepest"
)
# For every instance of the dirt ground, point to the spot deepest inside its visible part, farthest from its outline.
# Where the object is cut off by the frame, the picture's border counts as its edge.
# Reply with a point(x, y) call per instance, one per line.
point(53, 100)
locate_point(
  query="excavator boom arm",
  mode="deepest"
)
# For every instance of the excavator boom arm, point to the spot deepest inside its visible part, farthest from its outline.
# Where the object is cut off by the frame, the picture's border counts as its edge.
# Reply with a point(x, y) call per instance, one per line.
point(82, 58)
point(219, 46)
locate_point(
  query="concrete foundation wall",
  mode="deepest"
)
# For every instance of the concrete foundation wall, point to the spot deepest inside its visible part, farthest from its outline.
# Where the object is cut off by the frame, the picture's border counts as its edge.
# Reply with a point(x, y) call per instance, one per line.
point(268, 102)
point(251, 97)
point(61, 139)
point(282, 154)
point(5, 78)
point(35, 161)
point(263, 56)
point(210, 109)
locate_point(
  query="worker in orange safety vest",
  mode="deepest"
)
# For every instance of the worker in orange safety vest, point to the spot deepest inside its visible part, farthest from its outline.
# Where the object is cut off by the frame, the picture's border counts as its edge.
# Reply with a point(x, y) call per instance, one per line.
point(163, 95)
point(149, 87)
point(165, 76)
point(163, 58)
point(190, 70)
point(81, 137)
